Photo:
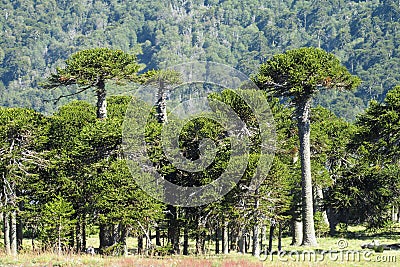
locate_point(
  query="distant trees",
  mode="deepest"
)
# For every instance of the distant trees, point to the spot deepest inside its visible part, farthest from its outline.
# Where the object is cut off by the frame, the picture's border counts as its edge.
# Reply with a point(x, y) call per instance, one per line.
point(363, 34)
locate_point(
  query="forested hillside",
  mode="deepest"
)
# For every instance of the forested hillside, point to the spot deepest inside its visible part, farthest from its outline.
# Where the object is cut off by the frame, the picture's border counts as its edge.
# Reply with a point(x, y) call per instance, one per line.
point(37, 36)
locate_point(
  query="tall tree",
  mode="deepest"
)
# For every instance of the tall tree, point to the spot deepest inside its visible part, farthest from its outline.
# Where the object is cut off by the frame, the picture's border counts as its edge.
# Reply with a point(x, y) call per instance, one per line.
point(23, 136)
point(298, 75)
point(91, 69)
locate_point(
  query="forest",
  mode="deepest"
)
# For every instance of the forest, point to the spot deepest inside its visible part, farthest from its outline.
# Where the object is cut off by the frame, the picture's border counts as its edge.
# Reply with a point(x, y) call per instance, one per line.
point(69, 72)
point(38, 35)
point(66, 173)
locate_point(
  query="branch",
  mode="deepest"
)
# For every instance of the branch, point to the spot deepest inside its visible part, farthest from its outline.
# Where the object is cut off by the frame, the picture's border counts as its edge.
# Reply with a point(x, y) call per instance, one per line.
point(75, 93)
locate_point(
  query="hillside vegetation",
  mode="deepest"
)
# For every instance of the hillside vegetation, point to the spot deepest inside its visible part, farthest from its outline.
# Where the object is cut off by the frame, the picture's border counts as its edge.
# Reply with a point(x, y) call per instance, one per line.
point(39, 35)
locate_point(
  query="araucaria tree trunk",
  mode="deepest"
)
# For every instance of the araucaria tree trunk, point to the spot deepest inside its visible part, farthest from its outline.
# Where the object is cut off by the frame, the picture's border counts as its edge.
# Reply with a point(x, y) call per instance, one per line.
point(161, 104)
point(101, 100)
point(303, 124)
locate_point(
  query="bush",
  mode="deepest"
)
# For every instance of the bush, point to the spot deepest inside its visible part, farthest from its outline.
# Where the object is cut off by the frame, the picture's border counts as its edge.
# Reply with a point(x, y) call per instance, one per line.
point(321, 227)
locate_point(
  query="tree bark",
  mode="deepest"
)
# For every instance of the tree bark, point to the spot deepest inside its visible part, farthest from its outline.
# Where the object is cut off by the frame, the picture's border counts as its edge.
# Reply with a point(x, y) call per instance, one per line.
point(6, 232)
point(173, 229)
point(303, 124)
point(122, 240)
point(279, 236)
point(13, 232)
point(106, 235)
point(186, 241)
point(101, 100)
point(271, 234)
point(398, 214)
point(320, 204)
point(158, 236)
point(256, 241)
point(83, 228)
point(140, 244)
point(263, 236)
point(78, 237)
point(297, 234)
point(394, 213)
point(241, 244)
point(217, 239)
point(256, 228)
point(199, 242)
point(225, 238)
point(161, 105)
point(20, 227)
point(333, 221)
point(148, 241)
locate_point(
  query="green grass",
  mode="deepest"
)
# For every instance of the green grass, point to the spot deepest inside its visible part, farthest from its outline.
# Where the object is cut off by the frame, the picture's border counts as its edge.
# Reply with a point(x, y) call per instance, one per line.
point(344, 250)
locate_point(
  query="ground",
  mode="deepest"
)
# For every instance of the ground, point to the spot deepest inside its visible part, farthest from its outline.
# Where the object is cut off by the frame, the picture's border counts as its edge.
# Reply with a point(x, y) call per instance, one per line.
point(344, 250)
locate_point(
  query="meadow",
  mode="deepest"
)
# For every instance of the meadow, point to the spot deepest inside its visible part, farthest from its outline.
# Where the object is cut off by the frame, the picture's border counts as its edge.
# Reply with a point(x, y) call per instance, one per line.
point(344, 250)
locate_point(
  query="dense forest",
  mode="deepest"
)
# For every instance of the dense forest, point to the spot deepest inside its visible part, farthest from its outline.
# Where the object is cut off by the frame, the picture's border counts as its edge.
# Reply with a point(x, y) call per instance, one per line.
point(65, 174)
point(68, 175)
point(37, 36)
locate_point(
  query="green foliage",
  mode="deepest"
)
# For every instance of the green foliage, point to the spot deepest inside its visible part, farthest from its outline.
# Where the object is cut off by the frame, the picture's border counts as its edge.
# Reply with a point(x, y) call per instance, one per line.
point(321, 227)
point(91, 66)
point(39, 36)
point(378, 134)
point(370, 185)
point(302, 72)
point(56, 222)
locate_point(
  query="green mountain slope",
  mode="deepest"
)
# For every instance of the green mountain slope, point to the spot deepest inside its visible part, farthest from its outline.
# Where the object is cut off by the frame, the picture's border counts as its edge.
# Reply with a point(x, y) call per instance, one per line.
point(39, 35)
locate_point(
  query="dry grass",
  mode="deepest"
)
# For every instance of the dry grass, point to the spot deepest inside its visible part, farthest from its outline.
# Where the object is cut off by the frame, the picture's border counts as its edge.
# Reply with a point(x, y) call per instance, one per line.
point(330, 252)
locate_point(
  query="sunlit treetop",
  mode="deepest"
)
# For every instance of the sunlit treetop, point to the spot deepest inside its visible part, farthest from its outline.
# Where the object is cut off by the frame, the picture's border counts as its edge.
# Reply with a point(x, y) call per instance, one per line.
point(302, 72)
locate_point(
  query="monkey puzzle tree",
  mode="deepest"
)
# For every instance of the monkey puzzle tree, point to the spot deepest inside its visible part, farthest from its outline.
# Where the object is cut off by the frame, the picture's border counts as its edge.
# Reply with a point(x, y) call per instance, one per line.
point(298, 75)
point(92, 68)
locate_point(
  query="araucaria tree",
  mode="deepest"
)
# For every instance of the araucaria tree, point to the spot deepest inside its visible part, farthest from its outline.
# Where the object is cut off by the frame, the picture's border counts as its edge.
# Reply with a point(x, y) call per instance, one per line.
point(91, 69)
point(297, 75)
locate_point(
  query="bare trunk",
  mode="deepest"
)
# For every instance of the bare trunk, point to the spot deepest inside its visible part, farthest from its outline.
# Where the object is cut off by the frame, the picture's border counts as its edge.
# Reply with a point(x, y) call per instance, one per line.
point(394, 213)
point(241, 244)
point(333, 220)
point(225, 238)
point(297, 234)
point(303, 124)
point(13, 232)
point(6, 230)
point(320, 204)
point(271, 234)
point(78, 237)
point(186, 241)
point(101, 100)
point(161, 104)
point(263, 236)
point(59, 237)
point(148, 241)
point(217, 239)
point(398, 214)
point(173, 229)
point(280, 236)
point(256, 241)
point(140, 244)
point(106, 235)
point(199, 242)
point(158, 236)
point(256, 229)
point(122, 240)
point(20, 228)
point(83, 228)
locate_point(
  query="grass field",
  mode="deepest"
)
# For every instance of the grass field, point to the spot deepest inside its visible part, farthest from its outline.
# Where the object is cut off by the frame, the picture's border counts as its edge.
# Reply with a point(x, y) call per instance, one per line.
point(344, 251)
